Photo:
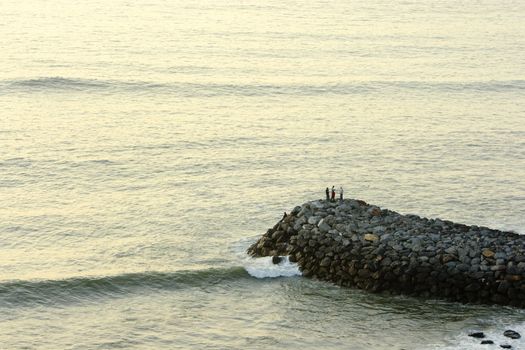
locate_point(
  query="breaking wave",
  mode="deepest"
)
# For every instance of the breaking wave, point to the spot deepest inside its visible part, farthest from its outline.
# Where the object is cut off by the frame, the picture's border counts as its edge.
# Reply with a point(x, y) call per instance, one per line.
point(264, 268)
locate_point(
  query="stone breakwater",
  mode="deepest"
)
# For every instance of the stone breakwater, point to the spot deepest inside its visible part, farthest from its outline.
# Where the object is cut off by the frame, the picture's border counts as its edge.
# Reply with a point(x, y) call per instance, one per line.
point(354, 244)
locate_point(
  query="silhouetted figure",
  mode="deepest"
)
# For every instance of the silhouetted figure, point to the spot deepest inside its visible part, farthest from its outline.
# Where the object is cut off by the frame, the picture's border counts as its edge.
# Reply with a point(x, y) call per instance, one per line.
point(327, 194)
point(333, 193)
point(341, 194)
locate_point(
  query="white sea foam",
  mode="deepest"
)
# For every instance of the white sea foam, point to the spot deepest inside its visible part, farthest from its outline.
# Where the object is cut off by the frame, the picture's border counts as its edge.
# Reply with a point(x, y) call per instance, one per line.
point(495, 333)
point(265, 268)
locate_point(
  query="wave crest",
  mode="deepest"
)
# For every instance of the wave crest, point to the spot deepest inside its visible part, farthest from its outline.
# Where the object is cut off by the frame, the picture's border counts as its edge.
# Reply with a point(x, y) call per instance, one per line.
point(30, 292)
point(264, 268)
point(45, 83)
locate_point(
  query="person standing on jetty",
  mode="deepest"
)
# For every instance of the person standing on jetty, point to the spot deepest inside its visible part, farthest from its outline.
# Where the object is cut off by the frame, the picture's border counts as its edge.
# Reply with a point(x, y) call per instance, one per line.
point(327, 194)
point(333, 193)
point(341, 193)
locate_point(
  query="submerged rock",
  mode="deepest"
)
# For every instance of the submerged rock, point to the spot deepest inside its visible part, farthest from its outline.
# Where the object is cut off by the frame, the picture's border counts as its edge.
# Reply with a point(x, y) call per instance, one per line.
point(354, 244)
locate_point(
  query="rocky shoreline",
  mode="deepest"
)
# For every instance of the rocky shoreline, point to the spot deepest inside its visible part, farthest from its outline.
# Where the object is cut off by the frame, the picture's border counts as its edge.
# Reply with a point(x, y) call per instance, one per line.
point(355, 244)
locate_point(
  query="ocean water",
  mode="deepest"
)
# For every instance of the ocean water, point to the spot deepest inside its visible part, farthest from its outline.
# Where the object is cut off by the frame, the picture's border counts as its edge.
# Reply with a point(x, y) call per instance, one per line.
point(144, 145)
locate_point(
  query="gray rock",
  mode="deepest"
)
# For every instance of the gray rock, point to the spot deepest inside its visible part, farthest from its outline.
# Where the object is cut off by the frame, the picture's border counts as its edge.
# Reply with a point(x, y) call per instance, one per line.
point(325, 262)
point(318, 204)
point(340, 227)
point(463, 267)
point(313, 220)
point(304, 212)
point(416, 244)
point(379, 229)
point(498, 268)
point(451, 250)
point(500, 255)
point(423, 258)
point(323, 226)
point(385, 237)
point(435, 237)
point(398, 247)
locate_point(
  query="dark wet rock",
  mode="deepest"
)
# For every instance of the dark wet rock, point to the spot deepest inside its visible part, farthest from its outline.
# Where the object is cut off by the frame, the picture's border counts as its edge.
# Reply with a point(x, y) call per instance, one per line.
point(325, 262)
point(477, 335)
point(352, 243)
point(487, 342)
point(512, 334)
point(276, 259)
point(505, 346)
point(473, 287)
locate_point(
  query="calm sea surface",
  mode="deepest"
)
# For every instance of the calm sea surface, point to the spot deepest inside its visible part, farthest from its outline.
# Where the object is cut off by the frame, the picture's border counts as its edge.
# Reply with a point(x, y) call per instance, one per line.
point(145, 144)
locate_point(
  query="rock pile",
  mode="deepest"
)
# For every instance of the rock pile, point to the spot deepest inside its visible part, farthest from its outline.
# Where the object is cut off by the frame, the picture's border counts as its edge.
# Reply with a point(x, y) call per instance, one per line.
point(355, 244)
point(508, 333)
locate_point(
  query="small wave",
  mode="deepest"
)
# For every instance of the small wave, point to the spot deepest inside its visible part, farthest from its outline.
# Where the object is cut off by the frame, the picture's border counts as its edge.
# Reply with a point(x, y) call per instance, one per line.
point(16, 162)
point(265, 268)
point(51, 292)
point(58, 83)
point(184, 89)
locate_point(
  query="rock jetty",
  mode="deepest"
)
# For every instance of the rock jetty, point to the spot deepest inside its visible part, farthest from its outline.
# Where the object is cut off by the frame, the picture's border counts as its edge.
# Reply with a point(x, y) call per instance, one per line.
point(355, 244)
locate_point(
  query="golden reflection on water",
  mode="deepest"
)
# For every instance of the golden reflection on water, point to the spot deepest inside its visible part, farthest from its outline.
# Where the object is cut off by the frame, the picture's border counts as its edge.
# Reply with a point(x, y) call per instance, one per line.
point(162, 135)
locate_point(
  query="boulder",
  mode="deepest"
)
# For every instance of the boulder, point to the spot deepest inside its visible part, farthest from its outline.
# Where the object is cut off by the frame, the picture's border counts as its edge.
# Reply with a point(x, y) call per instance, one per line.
point(323, 226)
point(371, 237)
point(487, 253)
point(325, 262)
point(313, 220)
point(511, 334)
point(375, 211)
point(477, 335)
